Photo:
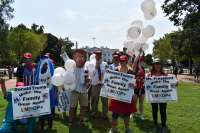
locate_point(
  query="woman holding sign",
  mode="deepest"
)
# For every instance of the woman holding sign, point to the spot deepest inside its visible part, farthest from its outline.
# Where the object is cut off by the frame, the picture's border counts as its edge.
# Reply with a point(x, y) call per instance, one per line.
point(119, 108)
point(157, 71)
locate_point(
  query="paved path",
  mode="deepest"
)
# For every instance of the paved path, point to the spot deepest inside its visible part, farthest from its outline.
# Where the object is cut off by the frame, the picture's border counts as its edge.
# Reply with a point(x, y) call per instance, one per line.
point(188, 78)
point(10, 83)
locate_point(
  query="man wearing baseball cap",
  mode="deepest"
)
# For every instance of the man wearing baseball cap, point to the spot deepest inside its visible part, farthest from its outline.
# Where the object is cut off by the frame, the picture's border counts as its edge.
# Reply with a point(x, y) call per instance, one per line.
point(26, 61)
point(96, 82)
point(115, 60)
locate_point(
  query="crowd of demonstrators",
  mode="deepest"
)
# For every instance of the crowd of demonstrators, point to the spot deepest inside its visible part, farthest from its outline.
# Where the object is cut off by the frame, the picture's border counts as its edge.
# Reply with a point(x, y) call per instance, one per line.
point(28, 74)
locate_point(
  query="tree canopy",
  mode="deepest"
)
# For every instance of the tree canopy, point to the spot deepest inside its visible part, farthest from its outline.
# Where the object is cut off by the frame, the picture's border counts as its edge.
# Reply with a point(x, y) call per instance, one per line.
point(182, 12)
point(21, 40)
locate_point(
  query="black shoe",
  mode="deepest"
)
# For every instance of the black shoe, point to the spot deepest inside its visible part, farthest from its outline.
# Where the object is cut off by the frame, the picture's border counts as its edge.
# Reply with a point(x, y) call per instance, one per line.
point(157, 129)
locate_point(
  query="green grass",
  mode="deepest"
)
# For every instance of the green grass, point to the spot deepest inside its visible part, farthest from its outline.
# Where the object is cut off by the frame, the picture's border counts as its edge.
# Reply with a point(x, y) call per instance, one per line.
point(183, 116)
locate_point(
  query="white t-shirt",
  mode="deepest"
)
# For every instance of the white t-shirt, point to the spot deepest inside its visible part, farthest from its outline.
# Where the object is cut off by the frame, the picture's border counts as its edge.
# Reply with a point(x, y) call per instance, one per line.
point(94, 76)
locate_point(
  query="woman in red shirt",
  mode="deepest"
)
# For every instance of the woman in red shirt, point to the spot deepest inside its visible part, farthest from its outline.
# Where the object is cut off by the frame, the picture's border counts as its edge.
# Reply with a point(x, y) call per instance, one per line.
point(119, 108)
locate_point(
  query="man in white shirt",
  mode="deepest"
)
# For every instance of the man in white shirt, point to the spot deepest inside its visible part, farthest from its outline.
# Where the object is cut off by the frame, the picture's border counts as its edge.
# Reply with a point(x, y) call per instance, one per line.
point(96, 82)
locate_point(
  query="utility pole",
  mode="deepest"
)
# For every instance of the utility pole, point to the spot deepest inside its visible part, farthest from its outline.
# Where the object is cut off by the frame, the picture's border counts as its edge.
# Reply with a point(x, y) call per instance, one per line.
point(76, 44)
point(94, 41)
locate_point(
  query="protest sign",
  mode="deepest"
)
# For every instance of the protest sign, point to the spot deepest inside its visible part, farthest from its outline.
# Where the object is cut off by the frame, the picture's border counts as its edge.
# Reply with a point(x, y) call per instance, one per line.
point(161, 89)
point(30, 101)
point(118, 86)
point(63, 101)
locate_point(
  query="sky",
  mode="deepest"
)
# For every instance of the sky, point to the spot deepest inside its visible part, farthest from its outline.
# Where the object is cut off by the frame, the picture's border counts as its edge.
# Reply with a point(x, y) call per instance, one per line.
point(82, 20)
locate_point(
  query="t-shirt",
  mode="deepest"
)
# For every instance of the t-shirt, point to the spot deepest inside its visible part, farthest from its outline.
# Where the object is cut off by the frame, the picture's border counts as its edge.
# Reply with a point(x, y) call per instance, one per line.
point(28, 77)
point(95, 75)
point(80, 80)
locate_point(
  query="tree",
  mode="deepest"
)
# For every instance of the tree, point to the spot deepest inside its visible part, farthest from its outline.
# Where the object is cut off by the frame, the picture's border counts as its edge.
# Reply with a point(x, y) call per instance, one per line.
point(185, 13)
point(162, 48)
point(21, 40)
point(37, 29)
point(5, 14)
point(182, 12)
point(148, 59)
point(56, 46)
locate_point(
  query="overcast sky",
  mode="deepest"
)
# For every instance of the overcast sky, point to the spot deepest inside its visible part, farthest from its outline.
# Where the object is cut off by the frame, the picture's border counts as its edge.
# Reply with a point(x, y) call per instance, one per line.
point(81, 20)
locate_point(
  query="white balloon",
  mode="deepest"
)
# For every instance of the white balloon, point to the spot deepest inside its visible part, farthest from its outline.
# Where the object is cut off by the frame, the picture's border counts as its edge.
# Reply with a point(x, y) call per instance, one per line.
point(57, 79)
point(140, 39)
point(148, 6)
point(137, 46)
point(148, 31)
point(92, 57)
point(133, 32)
point(59, 70)
point(70, 65)
point(137, 23)
point(129, 44)
point(145, 46)
point(150, 14)
point(69, 77)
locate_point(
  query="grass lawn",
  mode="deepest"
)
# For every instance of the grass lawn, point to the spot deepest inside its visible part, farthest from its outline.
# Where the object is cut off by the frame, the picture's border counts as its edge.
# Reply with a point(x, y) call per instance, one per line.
point(183, 116)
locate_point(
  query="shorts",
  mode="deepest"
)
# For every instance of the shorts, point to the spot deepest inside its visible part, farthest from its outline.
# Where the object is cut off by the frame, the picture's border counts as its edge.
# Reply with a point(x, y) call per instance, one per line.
point(139, 92)
point(76, 97)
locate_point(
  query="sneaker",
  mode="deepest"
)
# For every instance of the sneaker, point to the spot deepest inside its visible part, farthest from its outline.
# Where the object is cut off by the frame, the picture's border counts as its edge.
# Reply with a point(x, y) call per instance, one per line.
point(112, 130)
point(142, 117)
point(128, 130)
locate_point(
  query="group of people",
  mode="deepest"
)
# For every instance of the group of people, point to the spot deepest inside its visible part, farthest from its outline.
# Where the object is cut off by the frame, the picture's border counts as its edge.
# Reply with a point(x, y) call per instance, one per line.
point(87, 91)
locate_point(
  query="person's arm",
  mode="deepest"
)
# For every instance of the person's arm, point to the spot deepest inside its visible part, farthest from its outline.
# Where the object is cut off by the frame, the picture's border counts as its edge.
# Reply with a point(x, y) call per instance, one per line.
point(3, 87)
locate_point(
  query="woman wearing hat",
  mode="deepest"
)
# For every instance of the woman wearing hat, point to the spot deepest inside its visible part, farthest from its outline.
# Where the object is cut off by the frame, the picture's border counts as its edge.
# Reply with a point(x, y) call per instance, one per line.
point(157, 70)
point(119, 108)
point(79, 94)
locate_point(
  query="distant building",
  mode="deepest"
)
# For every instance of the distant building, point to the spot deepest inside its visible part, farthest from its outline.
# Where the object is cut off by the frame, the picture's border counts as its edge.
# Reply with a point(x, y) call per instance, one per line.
point(106, 52)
